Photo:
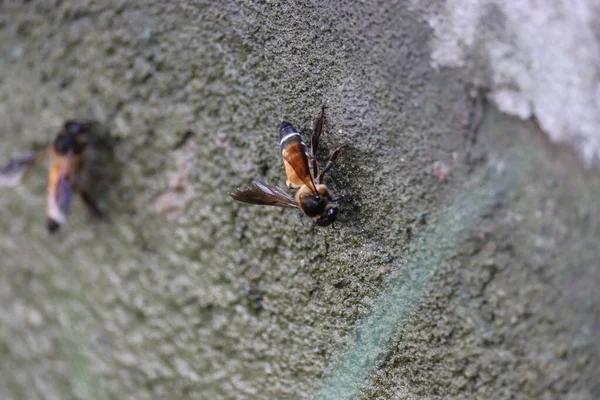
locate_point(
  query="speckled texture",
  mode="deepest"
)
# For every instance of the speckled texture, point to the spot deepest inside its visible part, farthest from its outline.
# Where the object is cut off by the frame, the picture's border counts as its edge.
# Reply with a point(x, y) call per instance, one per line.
point(542, 60)
point(235, 302)
point(512, 312)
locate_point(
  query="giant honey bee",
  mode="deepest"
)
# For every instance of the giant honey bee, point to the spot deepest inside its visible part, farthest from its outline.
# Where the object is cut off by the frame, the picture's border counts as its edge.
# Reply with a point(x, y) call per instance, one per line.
point(314, 199)
point(67, 154)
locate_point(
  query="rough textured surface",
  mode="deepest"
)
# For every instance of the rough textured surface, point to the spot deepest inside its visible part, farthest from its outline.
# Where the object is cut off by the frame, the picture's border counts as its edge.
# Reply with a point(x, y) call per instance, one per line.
point(541, 61)
point(183, 294)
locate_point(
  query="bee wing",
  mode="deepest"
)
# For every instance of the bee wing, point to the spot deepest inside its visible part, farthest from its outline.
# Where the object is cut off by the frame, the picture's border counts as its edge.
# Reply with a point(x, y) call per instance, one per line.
point(59, 200)
point(12, 173)
point(299, 163)
point(64, 193)
point(262, 193)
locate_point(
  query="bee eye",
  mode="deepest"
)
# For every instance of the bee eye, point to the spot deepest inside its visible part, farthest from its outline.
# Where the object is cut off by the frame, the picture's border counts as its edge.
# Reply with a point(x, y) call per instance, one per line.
point(329, 217)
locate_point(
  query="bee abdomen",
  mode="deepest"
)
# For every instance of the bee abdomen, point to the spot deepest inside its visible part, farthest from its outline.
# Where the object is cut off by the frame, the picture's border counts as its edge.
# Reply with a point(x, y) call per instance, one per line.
point(288, 134)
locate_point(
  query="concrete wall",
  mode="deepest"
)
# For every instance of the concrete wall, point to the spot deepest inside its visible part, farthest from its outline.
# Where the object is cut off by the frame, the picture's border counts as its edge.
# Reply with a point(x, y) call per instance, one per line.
point(445, 279)
point(543, 61)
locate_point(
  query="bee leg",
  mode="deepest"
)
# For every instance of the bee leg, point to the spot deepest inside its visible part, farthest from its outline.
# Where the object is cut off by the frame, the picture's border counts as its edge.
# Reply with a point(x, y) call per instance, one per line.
point(314, 140)
point(91, 204)
point(103, 145)
point(346, 196)
point(101, 176)
point(330, 163)
point(315, 166)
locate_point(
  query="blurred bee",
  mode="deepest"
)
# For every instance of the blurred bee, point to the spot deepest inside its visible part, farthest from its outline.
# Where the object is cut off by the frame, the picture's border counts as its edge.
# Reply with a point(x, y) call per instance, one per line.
point(67, 154)
point(313, 199)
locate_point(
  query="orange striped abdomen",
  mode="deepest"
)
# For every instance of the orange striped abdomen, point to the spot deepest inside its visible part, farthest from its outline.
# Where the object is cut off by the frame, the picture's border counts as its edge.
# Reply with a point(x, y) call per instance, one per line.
point(295, 159)
point(60, 165)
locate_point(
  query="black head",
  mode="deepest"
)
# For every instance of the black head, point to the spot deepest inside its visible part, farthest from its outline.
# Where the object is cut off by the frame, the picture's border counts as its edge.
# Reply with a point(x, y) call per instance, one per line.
point(72, 137)
point(313, 205)
point(74, 128)
point(64, 143)
point(329, 216)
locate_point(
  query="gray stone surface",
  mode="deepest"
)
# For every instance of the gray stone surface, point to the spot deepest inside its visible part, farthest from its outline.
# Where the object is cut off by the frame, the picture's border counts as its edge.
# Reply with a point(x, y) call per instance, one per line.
point(542, 60)
point(183, 294)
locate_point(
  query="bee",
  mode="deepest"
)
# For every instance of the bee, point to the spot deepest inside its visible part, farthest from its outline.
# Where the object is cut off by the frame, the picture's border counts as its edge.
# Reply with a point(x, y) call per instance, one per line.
point(67, 154)
point(315, 200)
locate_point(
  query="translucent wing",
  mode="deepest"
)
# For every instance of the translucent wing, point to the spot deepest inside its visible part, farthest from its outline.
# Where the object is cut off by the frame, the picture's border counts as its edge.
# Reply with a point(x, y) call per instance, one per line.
point(60, 194)
point(64, 194)
point(262, 193)
point(12, 173)
point(298, 161)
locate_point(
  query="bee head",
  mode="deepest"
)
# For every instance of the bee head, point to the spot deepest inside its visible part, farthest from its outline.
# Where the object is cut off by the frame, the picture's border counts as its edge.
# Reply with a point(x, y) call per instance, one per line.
point(74, 128)
point(329, 216)
point(313, 205)
point(69, 142)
